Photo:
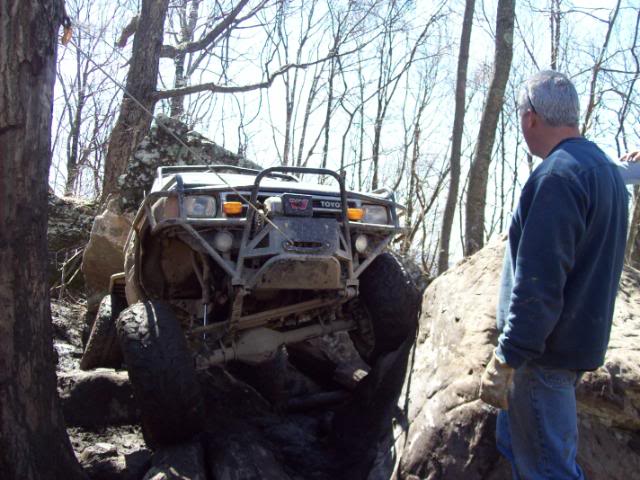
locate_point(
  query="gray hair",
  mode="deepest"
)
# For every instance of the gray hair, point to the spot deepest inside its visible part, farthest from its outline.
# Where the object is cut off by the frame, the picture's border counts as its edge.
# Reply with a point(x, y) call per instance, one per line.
point(551, 95)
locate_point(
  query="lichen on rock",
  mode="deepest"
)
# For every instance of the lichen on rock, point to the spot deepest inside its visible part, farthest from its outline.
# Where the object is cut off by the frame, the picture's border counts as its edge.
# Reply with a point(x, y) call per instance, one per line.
point(170, 142)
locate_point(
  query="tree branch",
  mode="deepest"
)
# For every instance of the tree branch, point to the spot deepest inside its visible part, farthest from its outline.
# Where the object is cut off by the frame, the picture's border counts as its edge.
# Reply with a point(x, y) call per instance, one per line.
point(216, 88)
point(169, 51)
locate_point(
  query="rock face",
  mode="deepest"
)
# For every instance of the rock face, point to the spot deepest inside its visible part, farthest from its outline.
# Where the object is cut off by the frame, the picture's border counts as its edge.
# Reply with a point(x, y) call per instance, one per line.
point(68, 229)
point(103, 256)
point(162, 148)
point(447, 432)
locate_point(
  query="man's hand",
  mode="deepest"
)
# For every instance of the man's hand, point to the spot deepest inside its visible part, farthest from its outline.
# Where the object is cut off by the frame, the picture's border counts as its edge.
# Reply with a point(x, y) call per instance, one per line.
point(631, 157)
point(495, 383)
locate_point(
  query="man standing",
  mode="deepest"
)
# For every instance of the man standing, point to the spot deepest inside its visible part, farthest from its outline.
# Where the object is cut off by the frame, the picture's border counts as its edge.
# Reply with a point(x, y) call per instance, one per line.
point(562, 268)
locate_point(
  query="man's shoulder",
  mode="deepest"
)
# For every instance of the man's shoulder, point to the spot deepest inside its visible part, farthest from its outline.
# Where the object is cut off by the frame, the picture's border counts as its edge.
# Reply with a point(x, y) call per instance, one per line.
point(573, 159)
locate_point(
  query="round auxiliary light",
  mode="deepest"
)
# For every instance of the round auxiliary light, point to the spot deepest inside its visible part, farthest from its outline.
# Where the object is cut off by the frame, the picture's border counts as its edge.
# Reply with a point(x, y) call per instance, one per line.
point(362, 243)
point(223, 241)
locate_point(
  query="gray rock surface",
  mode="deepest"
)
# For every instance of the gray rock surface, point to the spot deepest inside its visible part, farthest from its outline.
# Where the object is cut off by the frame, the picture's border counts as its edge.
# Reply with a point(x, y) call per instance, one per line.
point(181, 462)
point(114, 453)
point(68, 229)
point(97, 398)
point(449, 433)
point(170, 142)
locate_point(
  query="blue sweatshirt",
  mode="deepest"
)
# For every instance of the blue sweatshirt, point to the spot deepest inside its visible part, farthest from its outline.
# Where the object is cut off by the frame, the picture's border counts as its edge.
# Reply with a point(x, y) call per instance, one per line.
point(564, 260)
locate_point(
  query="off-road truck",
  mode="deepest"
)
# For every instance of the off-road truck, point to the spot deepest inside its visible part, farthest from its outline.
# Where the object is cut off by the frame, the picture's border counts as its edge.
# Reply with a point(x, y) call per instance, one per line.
point(224, 263)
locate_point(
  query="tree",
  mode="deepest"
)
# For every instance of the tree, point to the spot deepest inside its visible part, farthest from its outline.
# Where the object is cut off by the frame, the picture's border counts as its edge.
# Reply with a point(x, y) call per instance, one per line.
point(141, 93)
point(88, 101)
point(33, 441)
point(479, 172)
point(456, 139)
point(134, 119)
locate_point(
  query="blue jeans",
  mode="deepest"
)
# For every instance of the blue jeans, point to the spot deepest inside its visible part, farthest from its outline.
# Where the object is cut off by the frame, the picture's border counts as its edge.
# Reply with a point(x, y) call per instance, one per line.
point(539, 432)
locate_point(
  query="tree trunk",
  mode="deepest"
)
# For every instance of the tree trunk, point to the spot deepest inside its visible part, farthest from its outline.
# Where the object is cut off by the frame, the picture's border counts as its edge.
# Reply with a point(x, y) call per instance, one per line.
point(33, 440)
point(456, 141)
point(327, 119)
point(555, 18)
point(188, 22)
point(479, 172)
point(74, 134)
point(633, 240)
point(133, 121)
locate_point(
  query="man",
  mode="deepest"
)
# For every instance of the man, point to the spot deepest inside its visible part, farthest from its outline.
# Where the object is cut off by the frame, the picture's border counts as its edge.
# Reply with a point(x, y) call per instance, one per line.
point(562, 267)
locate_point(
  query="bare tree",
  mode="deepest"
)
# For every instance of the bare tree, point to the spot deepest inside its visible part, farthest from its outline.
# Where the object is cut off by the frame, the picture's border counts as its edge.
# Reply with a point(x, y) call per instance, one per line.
point(594, 98)
point(87, 101)
point(134, 118)
point(391, 70)
point(555, 19)
point(33, 440)
point(456, 138)
point(187, 18)
point(479, 171)
point(134, 121)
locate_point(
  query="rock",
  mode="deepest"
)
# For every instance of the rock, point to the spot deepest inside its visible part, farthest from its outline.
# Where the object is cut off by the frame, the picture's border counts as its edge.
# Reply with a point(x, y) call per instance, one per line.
point(241, 457)
point(101, 460)
point(162, 148)
point(180, 462)
point(611, 394)
point(441, 428)
point(114, 453)
point(68, 228)
point(68, 323)
point(97, 398)
point(103, 255)
point(331, 359)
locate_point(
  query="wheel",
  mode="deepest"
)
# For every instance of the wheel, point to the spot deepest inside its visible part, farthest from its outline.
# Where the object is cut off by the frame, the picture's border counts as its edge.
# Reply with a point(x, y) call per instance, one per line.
point(162, 373)
point(386, 310)
point(102, 348)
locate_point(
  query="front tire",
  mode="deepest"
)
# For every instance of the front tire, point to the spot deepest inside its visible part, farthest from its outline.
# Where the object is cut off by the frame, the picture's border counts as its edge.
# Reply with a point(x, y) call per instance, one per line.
point(102, 348)
point(386, 310)
point(162, 373)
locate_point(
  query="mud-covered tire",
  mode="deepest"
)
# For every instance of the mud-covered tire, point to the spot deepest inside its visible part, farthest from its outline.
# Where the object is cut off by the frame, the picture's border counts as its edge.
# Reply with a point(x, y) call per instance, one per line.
point(102, 348)
point(162, 373)
point(386, 309)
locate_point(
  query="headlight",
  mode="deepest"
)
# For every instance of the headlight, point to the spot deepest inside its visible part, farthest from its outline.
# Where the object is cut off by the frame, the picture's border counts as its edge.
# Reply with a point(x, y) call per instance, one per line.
point(375, 214)
point(200, 206)
point(195, 206)
point(165, 208)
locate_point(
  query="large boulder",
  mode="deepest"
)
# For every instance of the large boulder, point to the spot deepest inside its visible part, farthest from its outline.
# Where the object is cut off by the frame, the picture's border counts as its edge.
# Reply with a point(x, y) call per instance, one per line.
point(97, 398)
point(103, 256)
point(170, 142)
point(442, 429)
point(68, 229)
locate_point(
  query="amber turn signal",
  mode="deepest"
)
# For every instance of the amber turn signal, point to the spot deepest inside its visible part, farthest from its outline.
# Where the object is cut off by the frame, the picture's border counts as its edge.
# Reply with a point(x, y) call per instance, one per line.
point(355, 214)
point(232, 208)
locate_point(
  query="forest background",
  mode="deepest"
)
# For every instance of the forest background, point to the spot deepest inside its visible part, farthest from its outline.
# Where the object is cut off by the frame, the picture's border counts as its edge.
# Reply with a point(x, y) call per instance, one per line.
point(417, 96)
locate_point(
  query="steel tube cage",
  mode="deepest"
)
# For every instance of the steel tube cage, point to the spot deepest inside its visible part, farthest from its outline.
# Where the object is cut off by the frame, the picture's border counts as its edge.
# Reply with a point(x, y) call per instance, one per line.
point(246, 223)
point(246, 234)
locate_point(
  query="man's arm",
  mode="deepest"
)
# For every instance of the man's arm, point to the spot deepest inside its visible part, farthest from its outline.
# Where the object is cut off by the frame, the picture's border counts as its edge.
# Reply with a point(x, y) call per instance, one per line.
point(553, 211)
point(629, 168)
